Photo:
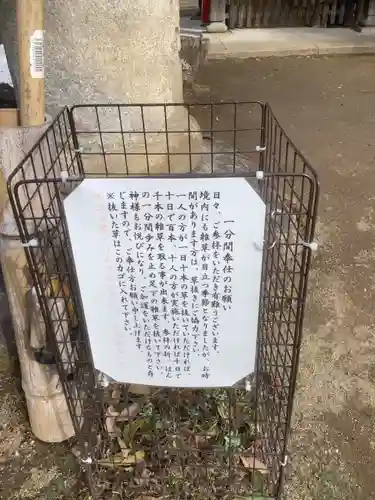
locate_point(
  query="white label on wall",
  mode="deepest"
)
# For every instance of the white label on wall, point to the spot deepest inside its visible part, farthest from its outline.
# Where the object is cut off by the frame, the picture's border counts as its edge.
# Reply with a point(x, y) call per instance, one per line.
point(169, 272)
point(37, 54)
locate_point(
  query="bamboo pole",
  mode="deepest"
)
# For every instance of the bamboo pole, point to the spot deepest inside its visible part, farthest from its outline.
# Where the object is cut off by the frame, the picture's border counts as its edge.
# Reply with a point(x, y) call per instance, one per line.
point(48, 412)
point(30, 24)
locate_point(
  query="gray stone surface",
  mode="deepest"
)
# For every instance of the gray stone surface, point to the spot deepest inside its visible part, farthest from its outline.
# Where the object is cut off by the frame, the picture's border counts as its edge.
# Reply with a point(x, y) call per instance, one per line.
point(221, 162)
point(217, 27)
point(193, 53)
point(243, 43)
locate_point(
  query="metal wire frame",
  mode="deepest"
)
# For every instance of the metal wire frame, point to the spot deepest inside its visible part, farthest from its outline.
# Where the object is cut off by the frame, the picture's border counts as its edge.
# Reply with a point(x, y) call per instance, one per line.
point(88, 141)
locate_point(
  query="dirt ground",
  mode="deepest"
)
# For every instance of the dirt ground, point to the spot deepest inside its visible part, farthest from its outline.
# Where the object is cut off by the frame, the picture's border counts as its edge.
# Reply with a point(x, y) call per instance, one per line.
point(327, 106)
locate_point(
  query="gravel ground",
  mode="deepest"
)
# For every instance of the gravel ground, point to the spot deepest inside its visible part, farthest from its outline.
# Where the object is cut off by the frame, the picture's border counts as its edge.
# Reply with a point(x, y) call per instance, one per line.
point(327, 106)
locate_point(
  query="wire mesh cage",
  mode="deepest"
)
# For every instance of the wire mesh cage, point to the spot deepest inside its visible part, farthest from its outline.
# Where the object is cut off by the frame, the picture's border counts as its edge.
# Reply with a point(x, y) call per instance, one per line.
point(154, 442)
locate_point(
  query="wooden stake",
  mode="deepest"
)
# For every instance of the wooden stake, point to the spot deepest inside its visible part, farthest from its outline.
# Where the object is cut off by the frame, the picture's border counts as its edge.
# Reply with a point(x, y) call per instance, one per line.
point(30, 24)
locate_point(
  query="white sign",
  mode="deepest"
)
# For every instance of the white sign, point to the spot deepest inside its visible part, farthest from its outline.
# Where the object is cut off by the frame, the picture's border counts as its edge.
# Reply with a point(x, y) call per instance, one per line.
point(169, 272)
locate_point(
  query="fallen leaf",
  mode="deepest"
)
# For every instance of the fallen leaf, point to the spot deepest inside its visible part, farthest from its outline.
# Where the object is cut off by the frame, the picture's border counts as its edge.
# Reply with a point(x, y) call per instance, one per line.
point(120, 461)
point(131, 430)
point(110, 421)
point(222, 411)
point(76, 452)
point(232, 442)
point(254, 464)
point(205, 436)
point(200, 440)
point(144, 478)
point(213, 430)
point(125, 451)
point(110, 425)
point(129, 413)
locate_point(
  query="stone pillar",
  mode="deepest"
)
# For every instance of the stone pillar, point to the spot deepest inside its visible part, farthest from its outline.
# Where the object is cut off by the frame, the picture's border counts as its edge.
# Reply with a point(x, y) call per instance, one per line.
point(47, 408)
point(217, 17)
point(97, 52)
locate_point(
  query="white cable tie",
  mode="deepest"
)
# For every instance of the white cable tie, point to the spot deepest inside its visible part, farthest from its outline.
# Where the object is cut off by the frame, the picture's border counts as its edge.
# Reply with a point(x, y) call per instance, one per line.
point(64, 175)
point(87, 460)
point(260, 148)
point(32, 243)
point(104, 383)
point(313, 245)
point(79, 150)
point(248, 385)
point(259, 174)
point(277, 212)
point(284, 462)
point(272, 244)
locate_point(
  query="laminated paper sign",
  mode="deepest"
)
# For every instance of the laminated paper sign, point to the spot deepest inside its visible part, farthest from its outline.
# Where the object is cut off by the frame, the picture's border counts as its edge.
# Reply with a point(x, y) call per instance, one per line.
point(169, 272)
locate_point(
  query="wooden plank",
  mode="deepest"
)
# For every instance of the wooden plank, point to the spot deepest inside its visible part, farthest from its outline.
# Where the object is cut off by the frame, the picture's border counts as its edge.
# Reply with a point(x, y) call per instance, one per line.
point(30, 25)
point(266, 8)
point(310, 11)
point(285, 13)
point(341, 15)
point(233, 10)
point(249, 14)
point(332, 17)
point(260, 14)
point(360, 12)
point(241, 16)
point(254, 13)
point(302, 12)
point(278, 12)
point(314, 19)
point(325, 14)
point(297, 12)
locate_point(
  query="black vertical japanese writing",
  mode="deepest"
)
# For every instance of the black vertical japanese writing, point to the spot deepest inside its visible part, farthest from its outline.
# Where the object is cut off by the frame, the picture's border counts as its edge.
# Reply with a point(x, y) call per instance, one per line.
point(175, 256)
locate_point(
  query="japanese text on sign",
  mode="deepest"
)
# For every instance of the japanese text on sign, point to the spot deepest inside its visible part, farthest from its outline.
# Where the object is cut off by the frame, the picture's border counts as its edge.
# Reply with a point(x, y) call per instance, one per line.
point(172, 265)
point(179, 285)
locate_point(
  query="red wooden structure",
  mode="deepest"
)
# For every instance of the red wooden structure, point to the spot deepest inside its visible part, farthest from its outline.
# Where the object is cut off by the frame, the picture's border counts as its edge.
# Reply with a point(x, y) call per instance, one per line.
point(205, 12)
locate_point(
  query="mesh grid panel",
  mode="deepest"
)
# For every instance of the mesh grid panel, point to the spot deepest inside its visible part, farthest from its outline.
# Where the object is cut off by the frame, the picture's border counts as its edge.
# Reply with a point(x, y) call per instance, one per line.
point(173, 443)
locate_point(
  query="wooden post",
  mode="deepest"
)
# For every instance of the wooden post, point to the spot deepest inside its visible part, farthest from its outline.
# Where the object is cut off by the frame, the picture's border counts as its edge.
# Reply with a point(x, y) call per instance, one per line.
point(30, 24)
